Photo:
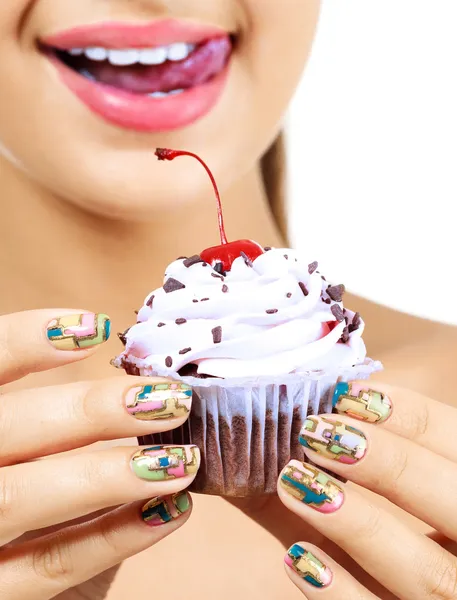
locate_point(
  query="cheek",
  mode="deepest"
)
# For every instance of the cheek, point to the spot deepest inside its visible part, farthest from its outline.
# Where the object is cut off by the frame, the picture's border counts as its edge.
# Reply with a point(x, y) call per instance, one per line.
point(11, 14)
point(277, 47)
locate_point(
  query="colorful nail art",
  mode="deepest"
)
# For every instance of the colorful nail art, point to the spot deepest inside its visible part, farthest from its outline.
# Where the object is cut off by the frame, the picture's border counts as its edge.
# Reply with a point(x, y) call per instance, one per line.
point(333, 440)
point(362, 403)
point(312, 487)
point(160, 511)
point(160, 463)
point(74, 332)
point(159, 401)
point(310, 568)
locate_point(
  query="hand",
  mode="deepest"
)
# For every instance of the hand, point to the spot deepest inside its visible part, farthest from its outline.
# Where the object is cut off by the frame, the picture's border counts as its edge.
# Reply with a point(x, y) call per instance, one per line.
point(408, 455)
point(39, 494)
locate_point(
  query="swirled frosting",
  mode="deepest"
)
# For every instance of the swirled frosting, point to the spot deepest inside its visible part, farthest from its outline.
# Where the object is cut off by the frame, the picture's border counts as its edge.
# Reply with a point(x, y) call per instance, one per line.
point(274, 316)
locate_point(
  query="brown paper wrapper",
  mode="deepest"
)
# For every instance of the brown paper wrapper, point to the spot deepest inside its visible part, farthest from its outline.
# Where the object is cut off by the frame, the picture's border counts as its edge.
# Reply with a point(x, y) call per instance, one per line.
point(247, 430)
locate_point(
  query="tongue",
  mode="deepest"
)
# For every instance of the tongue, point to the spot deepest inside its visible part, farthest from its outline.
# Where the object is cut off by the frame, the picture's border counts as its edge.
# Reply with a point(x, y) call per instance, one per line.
point(205, 61)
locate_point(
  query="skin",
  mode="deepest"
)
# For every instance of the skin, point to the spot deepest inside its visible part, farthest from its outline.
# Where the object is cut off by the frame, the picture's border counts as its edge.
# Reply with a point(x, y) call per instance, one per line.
point(107, 202)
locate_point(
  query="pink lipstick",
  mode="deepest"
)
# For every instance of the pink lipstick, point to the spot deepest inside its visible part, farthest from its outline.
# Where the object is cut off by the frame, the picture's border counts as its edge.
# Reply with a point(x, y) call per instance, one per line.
point(155, 77)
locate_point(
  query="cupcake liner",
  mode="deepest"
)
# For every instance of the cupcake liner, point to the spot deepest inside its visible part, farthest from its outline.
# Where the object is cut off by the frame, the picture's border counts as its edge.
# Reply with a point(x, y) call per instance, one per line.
point(247, 429)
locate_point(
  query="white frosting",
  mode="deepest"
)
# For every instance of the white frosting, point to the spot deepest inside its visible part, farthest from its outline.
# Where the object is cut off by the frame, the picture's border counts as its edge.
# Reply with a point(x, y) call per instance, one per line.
point(296, 338)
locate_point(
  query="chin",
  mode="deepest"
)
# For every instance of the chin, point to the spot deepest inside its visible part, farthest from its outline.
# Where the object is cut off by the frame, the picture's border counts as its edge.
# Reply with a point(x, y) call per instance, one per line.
point(134, 195)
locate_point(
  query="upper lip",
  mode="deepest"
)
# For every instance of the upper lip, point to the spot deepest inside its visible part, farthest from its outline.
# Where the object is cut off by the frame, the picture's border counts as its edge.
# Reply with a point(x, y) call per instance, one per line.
point(117, 35)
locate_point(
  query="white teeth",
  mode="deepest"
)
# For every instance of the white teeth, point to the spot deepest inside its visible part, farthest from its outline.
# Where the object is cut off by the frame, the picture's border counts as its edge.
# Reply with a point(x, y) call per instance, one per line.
point(96, 53)
point(145, 56)
point(154, 56)
point(123, 57)
point(165, 94)
point(178, 51)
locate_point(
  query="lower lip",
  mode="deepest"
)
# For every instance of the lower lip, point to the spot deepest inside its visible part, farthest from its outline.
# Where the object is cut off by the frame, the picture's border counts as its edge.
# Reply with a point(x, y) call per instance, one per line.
point(143, 113)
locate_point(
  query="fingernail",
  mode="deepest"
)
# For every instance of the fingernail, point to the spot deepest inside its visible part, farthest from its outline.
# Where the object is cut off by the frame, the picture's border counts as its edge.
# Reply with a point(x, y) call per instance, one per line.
point(160, 463)
point(159, 401)
point(75, 332)
point(310, 568)
point(312, 487)
point(362, 403)
point(160, 511)
point(333, 440)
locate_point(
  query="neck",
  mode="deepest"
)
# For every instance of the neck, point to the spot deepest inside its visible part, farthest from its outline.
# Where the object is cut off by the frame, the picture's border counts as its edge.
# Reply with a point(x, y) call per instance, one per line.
point(60, 255)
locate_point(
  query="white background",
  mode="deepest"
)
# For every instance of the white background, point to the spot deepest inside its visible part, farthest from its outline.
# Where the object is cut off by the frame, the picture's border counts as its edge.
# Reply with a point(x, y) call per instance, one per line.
point(373, 152)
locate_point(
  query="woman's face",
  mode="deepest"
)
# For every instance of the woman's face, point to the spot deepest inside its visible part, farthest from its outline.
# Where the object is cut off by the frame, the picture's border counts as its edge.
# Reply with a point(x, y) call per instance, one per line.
point(83, 124)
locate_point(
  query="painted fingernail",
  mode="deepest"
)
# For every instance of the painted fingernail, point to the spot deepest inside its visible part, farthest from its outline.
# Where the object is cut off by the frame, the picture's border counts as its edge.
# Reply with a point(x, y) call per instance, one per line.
point(159, 401)
point(362, 403)
point(310, 568)
point(160, 511)
point(333, 440)
point(312, 487)
point(75, 332)
point(160, 463)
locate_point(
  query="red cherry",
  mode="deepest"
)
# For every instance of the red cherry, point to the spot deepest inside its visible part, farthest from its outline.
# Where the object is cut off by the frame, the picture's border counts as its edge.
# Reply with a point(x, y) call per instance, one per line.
point(227, 252)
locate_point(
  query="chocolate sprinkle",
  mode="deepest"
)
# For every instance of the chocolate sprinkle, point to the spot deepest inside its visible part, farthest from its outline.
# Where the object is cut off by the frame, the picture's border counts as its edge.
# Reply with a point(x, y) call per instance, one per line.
point(168, 361)
point(123, 336)
point(150, 301)
point(286, 256)
point(312, 267)
point(225, 288)
point(345, 336)
point(217, 276)
point(247, 260)
point(204, 299)
point(217, 334)
point(193, 260)
point(337, 313)
point(180, 321)
point(323, 278)
point(336, 292)
point(185, 350)
point(356, 322)
point(267, 248)
point(219, 268)
point(289, 295)
point(303, 288)
point(171, 285)
point(182, 258)
point(136, 312)
point(271, 311)
point(194, 300)
point(160, 324)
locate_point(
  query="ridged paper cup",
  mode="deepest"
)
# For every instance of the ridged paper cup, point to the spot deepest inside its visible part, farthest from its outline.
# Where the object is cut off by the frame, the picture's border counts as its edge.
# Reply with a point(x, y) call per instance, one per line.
point(247, 429)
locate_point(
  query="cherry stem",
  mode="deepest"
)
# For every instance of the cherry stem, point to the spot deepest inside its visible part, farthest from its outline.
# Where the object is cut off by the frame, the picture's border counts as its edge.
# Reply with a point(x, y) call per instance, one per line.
point(166, 154)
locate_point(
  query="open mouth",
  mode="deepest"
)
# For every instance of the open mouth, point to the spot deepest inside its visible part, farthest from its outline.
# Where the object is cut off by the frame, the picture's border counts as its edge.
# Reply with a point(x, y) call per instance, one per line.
point(139, 86)
point(156, 72)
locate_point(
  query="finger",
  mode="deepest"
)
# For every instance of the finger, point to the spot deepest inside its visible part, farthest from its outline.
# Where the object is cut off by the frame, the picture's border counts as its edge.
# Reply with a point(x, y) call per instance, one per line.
point(320, 577)
point(38, 340)
point(412, 477)
point(85, 483)
point(425, 421)
point(80, 414)
point(43, 568)
point(407, 563)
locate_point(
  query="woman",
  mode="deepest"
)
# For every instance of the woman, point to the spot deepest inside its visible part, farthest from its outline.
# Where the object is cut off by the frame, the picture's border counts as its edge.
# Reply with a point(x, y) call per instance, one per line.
point(88, 222)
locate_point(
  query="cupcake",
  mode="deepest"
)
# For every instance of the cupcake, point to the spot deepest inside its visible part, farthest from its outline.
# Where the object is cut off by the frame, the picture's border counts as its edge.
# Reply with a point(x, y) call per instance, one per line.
point(262, 338)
